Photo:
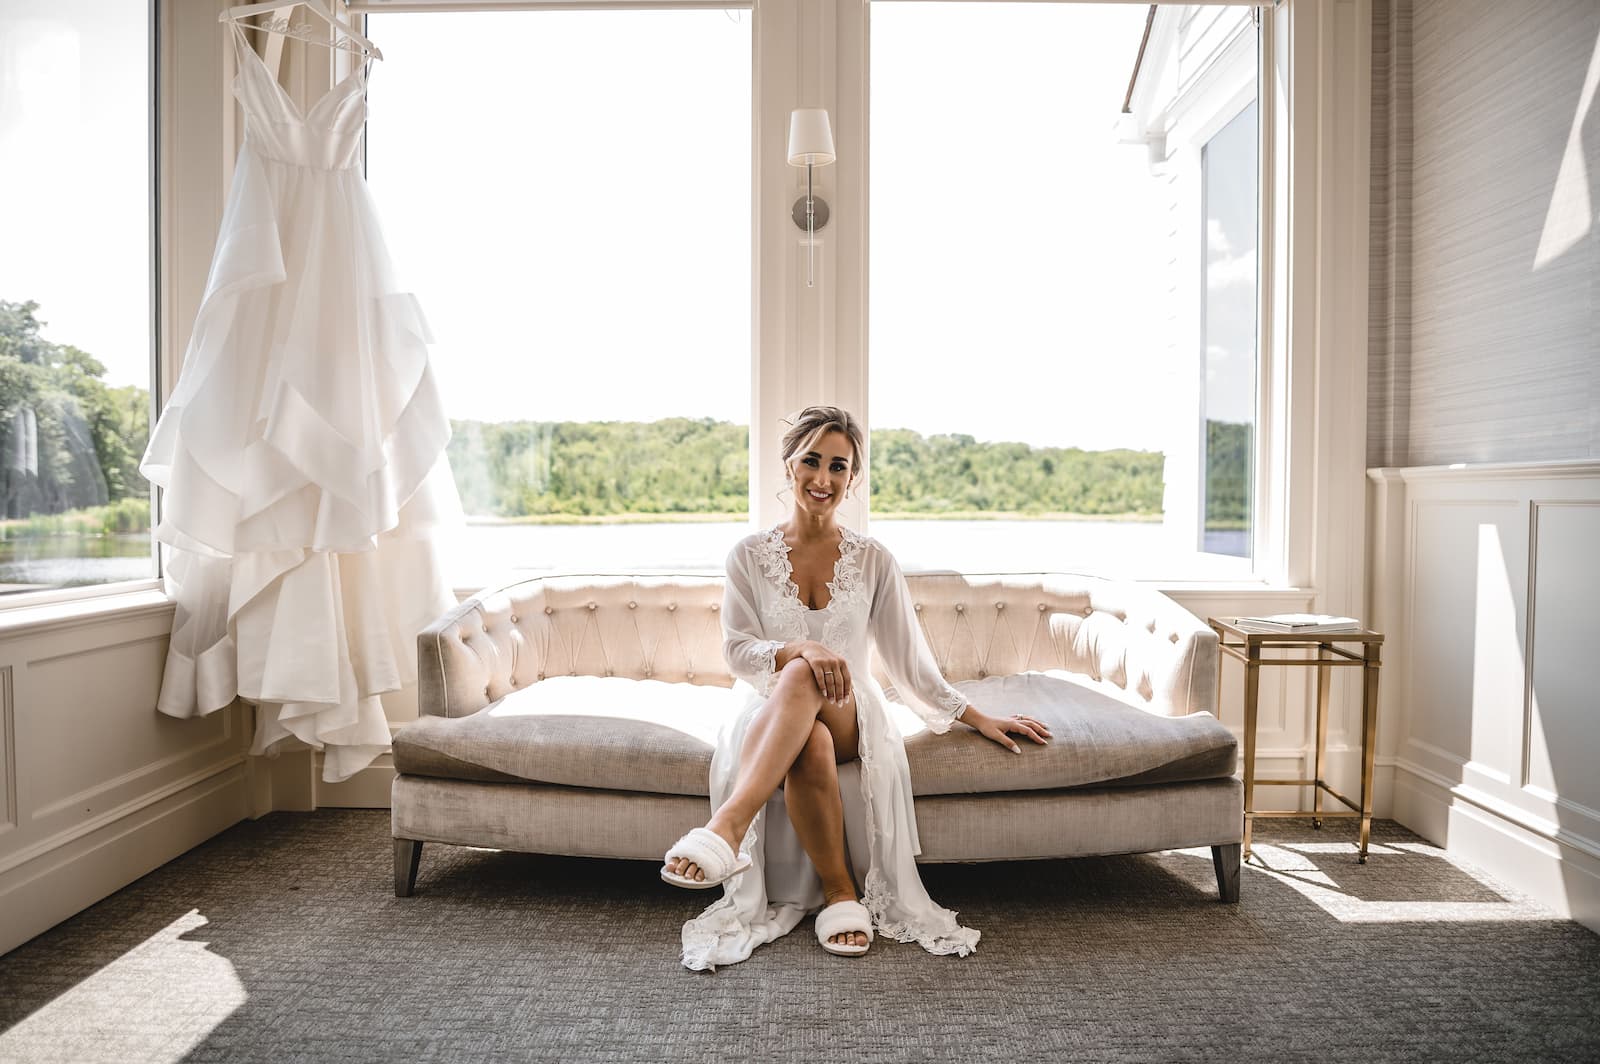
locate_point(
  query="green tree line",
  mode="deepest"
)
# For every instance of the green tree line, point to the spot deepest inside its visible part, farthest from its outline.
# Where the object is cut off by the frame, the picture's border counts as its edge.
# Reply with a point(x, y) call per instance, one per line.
point(68, 440)
point(687, 466)
point(70, 444)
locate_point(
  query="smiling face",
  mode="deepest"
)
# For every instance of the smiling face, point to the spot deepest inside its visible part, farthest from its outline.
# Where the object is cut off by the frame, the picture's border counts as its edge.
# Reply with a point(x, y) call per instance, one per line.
point(822, 472)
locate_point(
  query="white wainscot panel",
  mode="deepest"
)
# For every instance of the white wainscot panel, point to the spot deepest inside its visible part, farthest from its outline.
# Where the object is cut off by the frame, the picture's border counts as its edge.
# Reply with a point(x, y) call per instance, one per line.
point(1468, 585)
point(1563, 720)
point(1500, 575)
point(94, 738)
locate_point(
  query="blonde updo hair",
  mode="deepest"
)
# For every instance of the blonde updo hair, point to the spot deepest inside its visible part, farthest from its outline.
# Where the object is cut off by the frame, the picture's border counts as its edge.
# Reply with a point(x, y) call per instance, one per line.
point(815, 422)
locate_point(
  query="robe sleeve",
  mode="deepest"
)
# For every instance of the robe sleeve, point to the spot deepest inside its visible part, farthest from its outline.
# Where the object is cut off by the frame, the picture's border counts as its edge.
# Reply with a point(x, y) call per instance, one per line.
point(904, 651)
point(750, 658)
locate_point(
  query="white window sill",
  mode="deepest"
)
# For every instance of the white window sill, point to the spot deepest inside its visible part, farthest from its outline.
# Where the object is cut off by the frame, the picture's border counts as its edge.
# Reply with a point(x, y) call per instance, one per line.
point(76, 612)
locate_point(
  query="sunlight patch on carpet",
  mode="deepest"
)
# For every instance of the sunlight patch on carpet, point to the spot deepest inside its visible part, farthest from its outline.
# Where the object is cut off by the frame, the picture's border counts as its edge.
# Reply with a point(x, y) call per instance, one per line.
point(156, 1002)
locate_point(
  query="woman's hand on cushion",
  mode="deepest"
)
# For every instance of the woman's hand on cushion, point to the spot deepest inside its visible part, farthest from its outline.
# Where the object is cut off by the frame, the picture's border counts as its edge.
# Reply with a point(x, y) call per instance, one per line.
point(832, 672)
point(1000, 729)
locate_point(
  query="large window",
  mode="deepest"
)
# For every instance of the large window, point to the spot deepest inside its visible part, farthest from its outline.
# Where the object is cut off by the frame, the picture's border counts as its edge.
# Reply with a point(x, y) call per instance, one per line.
point(75, 298)
point(1049, 294)
point(1228, 335)
point(572, 208)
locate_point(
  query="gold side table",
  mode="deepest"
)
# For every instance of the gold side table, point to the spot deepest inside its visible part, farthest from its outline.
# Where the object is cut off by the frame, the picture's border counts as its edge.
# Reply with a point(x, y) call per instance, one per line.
point(1258, 650)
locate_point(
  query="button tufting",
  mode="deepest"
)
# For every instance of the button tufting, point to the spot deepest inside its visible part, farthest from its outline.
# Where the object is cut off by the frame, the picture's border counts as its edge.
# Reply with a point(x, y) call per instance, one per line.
point(1042, 607)
point(592, 606)
point(547, 609)
point(917, 607)
point(486, 691)
point(633, 605)
point(608, 672)
point(689, 675)
point(999, 605)
point(485, 628)
point(961, 607)
point(515, 618)
point(513, 681)
point(647, 672)
point(715, 606)
point(671, 606)
point(541, 676)
point(982, 673)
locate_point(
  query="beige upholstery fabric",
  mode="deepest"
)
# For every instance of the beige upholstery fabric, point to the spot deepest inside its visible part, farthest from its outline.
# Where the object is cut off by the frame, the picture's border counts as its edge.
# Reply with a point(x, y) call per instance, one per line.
point(1080, 823)
point(1096, 740)
point(645, 735)
point(582, 731)
point(538, 818)
point(1136, 643)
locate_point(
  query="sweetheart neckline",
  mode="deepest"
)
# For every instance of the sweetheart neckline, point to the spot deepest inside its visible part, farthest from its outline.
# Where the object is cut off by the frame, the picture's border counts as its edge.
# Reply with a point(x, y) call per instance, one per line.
point(288, 101)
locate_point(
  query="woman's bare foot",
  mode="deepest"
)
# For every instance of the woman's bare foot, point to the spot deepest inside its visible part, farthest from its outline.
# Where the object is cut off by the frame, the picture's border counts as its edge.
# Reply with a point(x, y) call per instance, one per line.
point(688, 869)
point(844, 938)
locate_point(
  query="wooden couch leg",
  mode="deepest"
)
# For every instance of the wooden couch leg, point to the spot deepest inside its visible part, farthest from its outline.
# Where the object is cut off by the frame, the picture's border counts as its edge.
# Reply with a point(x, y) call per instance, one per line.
point(1225, 858)
point(407, 857)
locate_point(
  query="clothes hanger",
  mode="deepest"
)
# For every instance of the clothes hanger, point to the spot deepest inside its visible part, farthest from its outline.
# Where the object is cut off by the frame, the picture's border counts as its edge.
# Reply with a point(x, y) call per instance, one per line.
point(352, 41)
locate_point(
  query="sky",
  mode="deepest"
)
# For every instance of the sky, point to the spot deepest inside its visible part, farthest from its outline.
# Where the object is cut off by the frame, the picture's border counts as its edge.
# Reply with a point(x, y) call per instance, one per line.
point(572, 209)
point(74, 174)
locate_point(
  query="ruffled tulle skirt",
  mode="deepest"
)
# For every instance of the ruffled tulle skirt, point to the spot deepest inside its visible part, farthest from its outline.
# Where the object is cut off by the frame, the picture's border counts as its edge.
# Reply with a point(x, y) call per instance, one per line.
point(307, 502)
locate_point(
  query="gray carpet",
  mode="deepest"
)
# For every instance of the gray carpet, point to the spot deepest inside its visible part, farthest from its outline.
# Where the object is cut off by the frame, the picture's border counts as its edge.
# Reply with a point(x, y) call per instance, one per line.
point(281, 940)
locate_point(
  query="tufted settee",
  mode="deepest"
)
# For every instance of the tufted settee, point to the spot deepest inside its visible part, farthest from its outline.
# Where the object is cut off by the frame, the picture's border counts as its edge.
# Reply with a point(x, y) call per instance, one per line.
point(578, 714)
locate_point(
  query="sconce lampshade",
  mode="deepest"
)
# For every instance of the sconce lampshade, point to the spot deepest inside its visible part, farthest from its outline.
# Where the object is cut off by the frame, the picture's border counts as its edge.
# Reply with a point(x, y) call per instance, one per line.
point(810, 137)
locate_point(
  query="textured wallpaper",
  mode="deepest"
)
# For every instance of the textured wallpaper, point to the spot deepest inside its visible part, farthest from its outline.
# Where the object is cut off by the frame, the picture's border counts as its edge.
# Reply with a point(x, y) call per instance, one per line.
point(1485, 333)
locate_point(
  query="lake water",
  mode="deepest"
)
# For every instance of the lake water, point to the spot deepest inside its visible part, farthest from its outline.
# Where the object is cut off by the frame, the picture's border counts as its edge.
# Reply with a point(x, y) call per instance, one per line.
point(490, 553)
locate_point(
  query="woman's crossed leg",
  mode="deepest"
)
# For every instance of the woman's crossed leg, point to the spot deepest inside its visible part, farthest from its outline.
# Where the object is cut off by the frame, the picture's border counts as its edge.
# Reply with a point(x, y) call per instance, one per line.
point(799, 739)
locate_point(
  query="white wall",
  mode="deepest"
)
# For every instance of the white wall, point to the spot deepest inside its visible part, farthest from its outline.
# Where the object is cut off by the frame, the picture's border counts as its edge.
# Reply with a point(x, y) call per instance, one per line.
point(96, 787)
point(1486, 580)
point(1488, 340)
point(1484, 350)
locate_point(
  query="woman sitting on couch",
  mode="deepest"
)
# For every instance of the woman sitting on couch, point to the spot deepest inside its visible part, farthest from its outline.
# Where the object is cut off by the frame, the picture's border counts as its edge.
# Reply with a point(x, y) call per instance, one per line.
point(804, 603)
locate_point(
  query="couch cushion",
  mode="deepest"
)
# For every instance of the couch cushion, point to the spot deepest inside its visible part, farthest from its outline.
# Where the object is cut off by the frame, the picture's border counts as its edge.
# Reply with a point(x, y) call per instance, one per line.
point(581, 731)
point(1097, 740)
point(614, 733)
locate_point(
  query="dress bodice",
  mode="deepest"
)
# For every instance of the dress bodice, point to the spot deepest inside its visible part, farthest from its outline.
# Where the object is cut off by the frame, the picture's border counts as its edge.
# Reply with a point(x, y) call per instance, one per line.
point(327, 136)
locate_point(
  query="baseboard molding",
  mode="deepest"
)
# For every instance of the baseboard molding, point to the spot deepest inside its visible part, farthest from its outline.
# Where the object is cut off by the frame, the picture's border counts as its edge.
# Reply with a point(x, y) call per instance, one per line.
point(1541, 864)
point(367, 789)
point(37, 895)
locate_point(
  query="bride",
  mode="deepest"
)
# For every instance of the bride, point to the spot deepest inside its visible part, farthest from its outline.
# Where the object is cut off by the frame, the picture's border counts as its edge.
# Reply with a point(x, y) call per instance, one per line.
point(804, 602)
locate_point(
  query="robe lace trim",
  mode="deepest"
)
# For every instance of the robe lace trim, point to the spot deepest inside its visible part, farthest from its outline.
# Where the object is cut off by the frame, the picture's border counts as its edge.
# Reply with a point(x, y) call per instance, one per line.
point(772, 554)
point(940, 933)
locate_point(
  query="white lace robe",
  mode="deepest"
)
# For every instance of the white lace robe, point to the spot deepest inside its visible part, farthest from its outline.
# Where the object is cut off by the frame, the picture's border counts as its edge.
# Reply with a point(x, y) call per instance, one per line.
point(869, 605)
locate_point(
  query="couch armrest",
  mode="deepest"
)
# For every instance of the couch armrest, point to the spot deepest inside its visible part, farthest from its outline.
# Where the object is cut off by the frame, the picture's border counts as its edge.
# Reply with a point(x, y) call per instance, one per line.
point(472, 655)
point(1162, 655)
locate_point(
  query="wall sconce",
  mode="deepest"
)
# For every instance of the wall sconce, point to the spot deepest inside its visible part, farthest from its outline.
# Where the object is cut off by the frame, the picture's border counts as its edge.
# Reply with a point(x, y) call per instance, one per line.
point(810, 144)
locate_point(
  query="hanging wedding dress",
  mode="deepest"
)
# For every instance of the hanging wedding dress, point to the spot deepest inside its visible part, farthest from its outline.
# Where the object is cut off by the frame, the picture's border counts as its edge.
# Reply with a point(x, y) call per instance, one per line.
point(869, 605)
point(301, 452)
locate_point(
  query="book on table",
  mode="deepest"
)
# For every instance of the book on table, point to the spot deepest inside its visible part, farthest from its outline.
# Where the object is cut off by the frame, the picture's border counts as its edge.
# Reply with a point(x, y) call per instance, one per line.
point(1299, 623)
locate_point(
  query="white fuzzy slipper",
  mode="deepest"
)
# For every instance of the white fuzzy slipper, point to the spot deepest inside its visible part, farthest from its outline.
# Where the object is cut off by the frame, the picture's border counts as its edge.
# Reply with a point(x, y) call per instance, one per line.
point(711, 852)
point(842, 917)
